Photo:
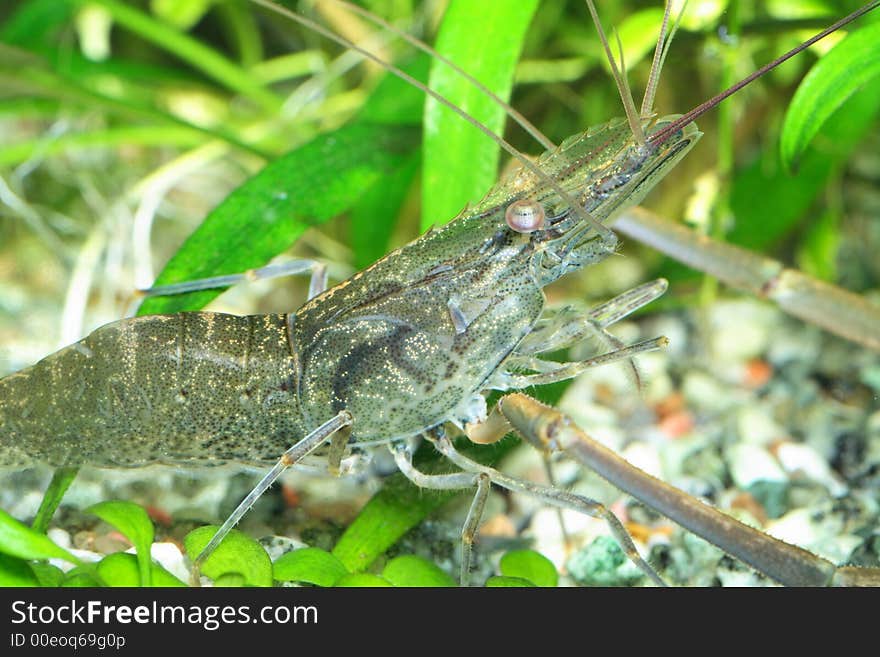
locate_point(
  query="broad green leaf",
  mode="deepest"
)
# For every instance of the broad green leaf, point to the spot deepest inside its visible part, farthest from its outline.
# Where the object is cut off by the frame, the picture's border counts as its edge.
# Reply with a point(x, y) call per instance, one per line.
point(503, 581)
point(47, 575)
point(362, 580)
point(837, 76)
point(529, 565)
point(123, 569)
point(238, 553)
point(768, 202)
point(134, 523)
point(19, 540)
point(16, 572)
point(374, 216)
point(311, 565)
point(61, 480)
point(82, 577)
point(460, 162)
point(266, 214)
point(410, 570)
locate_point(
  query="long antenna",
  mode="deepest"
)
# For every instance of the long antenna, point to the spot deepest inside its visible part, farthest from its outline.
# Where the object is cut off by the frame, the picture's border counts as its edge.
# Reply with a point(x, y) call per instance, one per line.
point(635, 122)
point(606, 233)
point(521, 120)
point(662, 135)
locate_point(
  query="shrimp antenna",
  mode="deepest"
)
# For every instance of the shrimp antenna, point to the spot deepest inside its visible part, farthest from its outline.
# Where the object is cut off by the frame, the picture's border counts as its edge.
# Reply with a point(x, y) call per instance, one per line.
point(660, 52)
point(607, 235)
point(662, 135)
point(521, 120)
point(635, 122)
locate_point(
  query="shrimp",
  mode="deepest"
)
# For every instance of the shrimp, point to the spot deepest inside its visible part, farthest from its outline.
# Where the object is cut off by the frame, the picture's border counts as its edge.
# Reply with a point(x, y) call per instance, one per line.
point(399, 350)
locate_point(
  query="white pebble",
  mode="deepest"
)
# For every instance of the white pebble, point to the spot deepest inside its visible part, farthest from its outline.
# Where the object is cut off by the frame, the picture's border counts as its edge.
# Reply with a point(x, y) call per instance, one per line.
point(169, 556)
point(751, 463)
point(756, 427)
point(796, 457)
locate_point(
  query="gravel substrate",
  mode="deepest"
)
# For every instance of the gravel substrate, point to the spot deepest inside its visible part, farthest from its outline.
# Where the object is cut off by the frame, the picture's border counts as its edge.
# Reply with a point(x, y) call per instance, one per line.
point(773, 421)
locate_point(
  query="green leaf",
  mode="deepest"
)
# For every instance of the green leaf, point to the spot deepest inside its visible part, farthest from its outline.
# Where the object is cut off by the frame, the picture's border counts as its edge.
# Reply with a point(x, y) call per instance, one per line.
point(182, 14)
point(16, 572)
point(19, 540)
point(375, 215)
point(268, 213)
point(400, 505)
point(768, 202)
point(311, 565)
point(460, 162)
point(237, 554)
point(123, 569)
point(61, 480)
point(134, 523)
point(35, 22)
point(47, 575)
point(502, 581)
point(83, 577)
point(529, 565)
point(846, 68)
point(363, 580)
point(410, 570)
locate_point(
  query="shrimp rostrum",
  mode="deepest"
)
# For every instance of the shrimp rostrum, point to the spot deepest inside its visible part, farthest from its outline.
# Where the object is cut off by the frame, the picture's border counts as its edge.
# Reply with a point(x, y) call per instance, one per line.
point(408, 346)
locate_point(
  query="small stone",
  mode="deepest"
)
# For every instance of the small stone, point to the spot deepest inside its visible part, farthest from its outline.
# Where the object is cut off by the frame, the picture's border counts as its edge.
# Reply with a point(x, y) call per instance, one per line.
point(797, 458)
point(603, 563)
point(60, 537)
point(706, 393)
point(756, 427)
point(751, 463)
point(169, 556)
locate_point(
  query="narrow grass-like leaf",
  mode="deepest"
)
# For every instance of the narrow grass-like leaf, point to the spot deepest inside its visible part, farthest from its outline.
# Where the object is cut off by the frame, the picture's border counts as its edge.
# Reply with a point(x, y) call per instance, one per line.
point(35, 22)
point(61, 480)
point(503, 581)
point(311, 565)
point(460, 162)
point(266, 214)
point(839, 74)
point(19, 540)
point(363, 580)
point(16, 572)
point(123, 569)
point(238, 553)
point(530, 565)
point(134, 523)
point(191, 51)
point(410, 570)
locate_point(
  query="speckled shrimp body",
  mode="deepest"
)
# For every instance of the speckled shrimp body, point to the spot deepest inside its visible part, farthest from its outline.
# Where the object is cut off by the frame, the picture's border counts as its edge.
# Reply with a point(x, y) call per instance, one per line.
point(403, 346)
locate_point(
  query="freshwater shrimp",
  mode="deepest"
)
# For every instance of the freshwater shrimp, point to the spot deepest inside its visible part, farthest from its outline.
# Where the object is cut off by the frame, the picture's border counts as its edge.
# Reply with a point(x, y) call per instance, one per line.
point(359, 361)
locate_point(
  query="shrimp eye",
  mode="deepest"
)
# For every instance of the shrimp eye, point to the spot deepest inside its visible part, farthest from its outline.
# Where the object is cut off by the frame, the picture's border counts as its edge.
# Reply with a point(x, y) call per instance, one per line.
point(525, 216)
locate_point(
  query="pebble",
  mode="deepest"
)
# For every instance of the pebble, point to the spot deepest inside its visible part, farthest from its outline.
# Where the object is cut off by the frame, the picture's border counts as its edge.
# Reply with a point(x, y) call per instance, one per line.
point(800, 459)
point(750, 463)
point(755, 426)
point(603, 563)
point(169, 556)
